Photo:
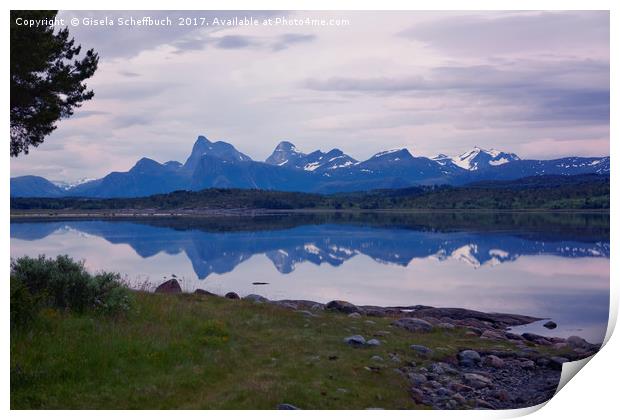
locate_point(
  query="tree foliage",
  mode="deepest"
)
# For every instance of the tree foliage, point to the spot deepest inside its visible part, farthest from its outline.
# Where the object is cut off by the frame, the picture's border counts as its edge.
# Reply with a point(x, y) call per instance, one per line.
point(47, 78)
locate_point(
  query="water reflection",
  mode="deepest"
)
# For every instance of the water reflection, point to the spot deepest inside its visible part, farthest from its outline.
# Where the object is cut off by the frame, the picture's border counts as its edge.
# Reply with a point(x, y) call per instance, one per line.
point(543, 265)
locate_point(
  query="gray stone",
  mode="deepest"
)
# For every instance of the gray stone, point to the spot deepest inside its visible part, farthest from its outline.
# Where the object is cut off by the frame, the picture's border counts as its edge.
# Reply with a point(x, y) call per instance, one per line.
point(170, 287)
point(575, 341)
point(492, 335)
point(476, 381)
point(355, 340)
point(413, 324)
point(256, 298)
point(203, 292)
point(469, 358)
point(493, 361)
point(557, 362)
point(417, 378)
point(373, 342)
point(423, 350)
point(445, 326)
point(342, 306)
point(376, 358)
point(550, 325)
point(528, 364)
point(354, 315)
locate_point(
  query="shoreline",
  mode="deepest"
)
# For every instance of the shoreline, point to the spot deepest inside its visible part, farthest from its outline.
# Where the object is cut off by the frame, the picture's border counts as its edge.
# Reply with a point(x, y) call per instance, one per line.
point(257, 212)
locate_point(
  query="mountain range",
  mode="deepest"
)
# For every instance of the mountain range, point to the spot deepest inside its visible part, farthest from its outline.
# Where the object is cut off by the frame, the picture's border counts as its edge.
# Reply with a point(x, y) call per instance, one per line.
point(220, 165)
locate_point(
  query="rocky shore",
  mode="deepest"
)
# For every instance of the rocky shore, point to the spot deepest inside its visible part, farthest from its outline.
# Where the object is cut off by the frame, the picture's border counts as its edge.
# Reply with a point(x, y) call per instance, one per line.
point(471, 378)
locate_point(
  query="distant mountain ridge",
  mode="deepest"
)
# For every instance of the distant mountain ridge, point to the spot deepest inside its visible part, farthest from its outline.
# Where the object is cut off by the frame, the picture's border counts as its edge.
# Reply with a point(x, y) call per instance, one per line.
point(220, 165)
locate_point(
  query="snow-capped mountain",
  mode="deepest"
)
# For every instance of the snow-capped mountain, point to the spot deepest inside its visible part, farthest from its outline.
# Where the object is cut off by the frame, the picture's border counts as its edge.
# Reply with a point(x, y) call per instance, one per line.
point(287, 155)
point(476, 159)
point(67, 185)
point(220, 165)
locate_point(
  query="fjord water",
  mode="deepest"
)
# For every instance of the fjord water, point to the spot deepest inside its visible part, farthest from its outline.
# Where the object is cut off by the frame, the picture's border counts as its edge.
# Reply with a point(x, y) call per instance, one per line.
point(549, 265)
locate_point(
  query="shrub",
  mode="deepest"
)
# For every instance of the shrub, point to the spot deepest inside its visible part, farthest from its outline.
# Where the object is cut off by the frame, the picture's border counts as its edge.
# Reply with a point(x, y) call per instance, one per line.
point(65, 284)
point(24, 306)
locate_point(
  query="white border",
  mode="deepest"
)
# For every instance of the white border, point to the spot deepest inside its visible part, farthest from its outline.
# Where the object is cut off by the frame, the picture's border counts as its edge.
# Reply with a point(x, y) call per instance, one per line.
point(592, 395)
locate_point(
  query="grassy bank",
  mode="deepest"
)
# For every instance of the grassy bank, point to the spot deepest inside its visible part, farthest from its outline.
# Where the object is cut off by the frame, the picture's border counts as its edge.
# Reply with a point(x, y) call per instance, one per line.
point(192, 351)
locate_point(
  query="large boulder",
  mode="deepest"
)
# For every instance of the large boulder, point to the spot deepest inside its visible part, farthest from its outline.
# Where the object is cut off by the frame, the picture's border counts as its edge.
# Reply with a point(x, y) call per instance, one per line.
point(203, 292)
point(169, 287)
point(413, 324)
point(342, 306)
point(256, 298)
point(231, 295)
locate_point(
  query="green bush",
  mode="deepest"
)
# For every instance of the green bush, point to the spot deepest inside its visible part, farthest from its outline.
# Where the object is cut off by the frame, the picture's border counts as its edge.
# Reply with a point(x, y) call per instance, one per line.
point(65, 284)
point(24, 306)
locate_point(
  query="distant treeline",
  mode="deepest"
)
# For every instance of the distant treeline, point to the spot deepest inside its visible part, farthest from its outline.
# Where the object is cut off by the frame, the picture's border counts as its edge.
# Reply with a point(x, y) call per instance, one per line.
point(541, 192)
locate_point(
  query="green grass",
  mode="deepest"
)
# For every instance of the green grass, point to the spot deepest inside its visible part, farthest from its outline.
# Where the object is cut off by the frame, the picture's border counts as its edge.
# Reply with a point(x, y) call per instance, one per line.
point(197, 352)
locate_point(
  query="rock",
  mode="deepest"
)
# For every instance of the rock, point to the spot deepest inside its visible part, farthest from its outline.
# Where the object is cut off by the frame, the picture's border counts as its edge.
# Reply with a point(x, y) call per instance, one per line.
point(441, 368)
point(559, 346)
point(459, 398)
point(381, 333)
point(256, 298)
point(494, 361)
point(532, 337)
point(476, 381)
point(355, 340)
point(413, 324)
point(469, 358)
point(373, 342)
point(342, 306)
point(417, 378)
point(417, 395)
point(513, 336)
point(286, 406)
point(423, 350)
point(203, 292)
point(542, 362)
point(557, 362)
point(354, 315)
point(550, 325)
point(492, 335)
point(170, 287)
point(377, 358)
point(231, 295)
point(445, 326)
point(480, 403)
point(459, 387)
point(369, 322)
point(444, 392)
point(575, 341)
point(528, 364)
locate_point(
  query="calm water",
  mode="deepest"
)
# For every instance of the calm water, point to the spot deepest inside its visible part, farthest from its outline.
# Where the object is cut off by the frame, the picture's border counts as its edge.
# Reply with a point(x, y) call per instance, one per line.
point(548, 265)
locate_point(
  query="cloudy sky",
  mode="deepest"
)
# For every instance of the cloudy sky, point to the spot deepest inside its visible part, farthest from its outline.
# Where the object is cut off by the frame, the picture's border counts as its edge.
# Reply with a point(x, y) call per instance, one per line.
point(532, 83)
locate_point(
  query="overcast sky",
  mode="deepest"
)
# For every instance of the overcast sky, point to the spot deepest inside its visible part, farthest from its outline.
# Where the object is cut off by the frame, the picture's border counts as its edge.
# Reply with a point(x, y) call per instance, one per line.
point(532, 83)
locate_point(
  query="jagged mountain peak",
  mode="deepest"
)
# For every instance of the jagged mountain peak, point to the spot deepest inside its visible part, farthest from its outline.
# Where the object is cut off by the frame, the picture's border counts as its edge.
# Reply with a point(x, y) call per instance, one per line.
point(477, 158)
